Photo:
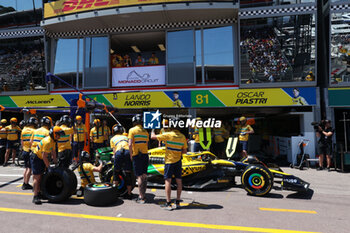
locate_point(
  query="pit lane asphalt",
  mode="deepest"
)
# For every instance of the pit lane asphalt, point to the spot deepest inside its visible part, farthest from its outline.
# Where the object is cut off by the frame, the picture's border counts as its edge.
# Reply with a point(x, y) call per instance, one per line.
point(326, 209)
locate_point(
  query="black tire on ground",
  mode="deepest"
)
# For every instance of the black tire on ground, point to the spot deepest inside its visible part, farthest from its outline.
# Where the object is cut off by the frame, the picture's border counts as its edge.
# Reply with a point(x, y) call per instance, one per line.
point(100, 194)
point(122, 190)
point(59, 184)
point(257, 180)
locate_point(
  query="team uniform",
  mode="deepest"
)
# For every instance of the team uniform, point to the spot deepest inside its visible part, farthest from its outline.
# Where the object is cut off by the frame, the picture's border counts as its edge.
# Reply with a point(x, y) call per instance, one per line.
point(12, 136)
point(197, 145)
point(36, 158)
point(243, 136)
point(178, 103)
point(88, 169)
point(174, 143)
point(79, 139)
point(38, 135)
point(299, 101)
point(140, 139)
point(64, 147)
point(3, 142)
point(107, 133)
point(122, 154)
point(26, 135)
point(219, 140)
point(97, 138)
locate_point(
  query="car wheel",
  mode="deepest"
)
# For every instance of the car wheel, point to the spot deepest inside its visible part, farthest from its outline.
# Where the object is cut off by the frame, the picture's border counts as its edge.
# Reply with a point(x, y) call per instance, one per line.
point(59, 184)
point(100, 194)
point(122, 190)
point(257, 180)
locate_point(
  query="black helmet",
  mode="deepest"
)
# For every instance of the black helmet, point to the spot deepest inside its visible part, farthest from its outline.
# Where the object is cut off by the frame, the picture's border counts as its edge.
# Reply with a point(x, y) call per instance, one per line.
point(118, 129)
point(22, 124)
point(33, 121)
point(65, 119)
point(137, 119)
point(85, 156)
point(45, 121)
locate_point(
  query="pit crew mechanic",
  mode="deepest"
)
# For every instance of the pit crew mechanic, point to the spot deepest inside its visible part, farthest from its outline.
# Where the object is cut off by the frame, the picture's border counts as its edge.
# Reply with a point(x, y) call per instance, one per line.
point(175, 146)
point(120, 145)
point(39, 158)
point(13, 132)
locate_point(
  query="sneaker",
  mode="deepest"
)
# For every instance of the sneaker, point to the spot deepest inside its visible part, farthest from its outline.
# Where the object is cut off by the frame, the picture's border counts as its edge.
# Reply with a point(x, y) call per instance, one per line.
point(177, 204)
point(5, 164)
point(166, 206)
point(319, 168)
point(329, 169)
point(26, 186)
point(36, 200)
point(140, 201)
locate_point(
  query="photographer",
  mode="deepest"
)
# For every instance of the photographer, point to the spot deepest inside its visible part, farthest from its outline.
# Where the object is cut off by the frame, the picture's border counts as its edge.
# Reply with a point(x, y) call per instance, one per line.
point(325, 143)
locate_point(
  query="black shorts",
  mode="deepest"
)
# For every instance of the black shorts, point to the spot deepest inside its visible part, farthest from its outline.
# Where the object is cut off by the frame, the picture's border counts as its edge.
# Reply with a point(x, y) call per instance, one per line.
point(140, 163)
point(38, 165)
point(122, 160)
point(12, 144)
point(26, 158)
point(243, 145)
point(173, 169)
point(325, 149)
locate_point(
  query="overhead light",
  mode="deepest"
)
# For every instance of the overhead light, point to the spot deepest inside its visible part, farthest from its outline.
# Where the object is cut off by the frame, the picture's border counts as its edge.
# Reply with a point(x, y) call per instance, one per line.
point(161, 47)
point(136, 50)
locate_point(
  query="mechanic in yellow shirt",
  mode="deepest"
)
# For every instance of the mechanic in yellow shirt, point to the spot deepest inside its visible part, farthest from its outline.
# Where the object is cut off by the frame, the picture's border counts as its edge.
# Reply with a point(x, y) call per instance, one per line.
point(220, 134)
point(244, 130)
point(106, 132)
point(3, 140)
point(80, 136)
point(138, 147)
point(39, 158)
point(122, 162)
point(41, 133)
point(64, 143)
point(97, 137)
point(13, 132)
point(175, 146)
point(195, 136)
point(86, 171)
point(26, 135)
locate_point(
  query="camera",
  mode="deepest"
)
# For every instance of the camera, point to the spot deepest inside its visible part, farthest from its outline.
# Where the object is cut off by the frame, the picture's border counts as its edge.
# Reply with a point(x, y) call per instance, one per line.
point(316, 124)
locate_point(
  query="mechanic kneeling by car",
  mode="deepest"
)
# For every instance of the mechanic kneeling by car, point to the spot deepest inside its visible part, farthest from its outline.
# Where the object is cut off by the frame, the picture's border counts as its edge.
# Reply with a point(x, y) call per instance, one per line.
point(175, 146)
point(86, 171)
point(39, 158)
point(120, 145)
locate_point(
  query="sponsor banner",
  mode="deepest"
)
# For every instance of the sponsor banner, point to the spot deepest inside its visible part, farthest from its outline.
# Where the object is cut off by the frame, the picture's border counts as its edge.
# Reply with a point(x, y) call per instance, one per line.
point(64, 7)
point(190, 99)
point(157, 99)
point(339, 97)
point(138, 76)
point(267, 97)
point(40, 101)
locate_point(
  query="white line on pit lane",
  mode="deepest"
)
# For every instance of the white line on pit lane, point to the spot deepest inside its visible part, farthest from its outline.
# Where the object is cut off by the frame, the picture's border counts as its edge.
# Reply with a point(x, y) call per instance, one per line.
point(13, 175)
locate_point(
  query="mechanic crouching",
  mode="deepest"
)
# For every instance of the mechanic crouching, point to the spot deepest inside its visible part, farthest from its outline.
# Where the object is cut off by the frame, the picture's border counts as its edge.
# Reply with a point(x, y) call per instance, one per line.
point(39, 158)
point(122, 161)
point(175, 146)
point(86, 171)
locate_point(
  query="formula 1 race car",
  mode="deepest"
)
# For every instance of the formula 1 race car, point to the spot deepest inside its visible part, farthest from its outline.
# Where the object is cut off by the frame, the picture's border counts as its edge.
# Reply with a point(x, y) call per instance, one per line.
point(204, 171)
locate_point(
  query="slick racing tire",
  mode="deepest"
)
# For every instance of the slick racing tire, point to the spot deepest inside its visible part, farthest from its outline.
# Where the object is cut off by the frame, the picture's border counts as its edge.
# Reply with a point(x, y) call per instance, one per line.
point(257, 180)
point(122, 190)
point(100, 194)
point(59, 184)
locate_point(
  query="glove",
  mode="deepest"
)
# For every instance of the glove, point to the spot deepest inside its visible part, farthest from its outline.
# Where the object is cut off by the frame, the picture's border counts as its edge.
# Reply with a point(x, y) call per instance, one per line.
point(49, 169)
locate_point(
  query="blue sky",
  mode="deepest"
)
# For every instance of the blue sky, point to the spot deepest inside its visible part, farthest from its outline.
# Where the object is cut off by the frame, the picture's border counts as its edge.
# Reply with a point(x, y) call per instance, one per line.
point(21, 4)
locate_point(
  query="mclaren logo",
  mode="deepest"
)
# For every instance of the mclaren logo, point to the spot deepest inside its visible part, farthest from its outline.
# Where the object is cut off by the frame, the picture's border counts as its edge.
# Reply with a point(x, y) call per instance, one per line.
point(49, 101)
point(134, 77)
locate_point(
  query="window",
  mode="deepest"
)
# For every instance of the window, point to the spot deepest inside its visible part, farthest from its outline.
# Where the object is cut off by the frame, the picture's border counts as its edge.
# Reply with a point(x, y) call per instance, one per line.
point(66, 62)
point(214, 55)
point(96, 62)
point(22, 64)
point(340, 48)
point(279, 49)
point(180, 53)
